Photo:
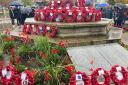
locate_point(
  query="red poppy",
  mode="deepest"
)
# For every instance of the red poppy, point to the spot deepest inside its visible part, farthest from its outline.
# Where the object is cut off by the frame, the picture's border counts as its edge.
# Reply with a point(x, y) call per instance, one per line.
point(42, 55)
point(61, 44)
point(47, 75)
point(69, 69)
point(54, 51)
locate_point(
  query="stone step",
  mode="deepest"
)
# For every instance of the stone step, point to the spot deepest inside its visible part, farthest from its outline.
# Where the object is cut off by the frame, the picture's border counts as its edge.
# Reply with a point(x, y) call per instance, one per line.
point(80, 35)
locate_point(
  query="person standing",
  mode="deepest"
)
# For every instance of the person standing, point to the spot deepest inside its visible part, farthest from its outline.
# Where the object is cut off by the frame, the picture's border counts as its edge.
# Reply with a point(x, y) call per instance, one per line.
point(11, 14)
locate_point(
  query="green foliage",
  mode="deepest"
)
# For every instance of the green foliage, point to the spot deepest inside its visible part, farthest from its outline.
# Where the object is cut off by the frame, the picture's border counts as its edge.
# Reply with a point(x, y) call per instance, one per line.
point(27, 2)
point(111, 2)
point(23, 50)
point(42, 44)
point(31, 58)
point(20, 68)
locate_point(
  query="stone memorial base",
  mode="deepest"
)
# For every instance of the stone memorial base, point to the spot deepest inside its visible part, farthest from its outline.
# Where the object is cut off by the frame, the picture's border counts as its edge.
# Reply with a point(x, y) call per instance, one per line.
point(76, 29)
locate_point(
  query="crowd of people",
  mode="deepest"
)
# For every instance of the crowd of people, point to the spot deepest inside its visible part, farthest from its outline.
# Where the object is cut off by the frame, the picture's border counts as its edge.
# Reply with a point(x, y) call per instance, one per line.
point(20, 13)
point(118, 13)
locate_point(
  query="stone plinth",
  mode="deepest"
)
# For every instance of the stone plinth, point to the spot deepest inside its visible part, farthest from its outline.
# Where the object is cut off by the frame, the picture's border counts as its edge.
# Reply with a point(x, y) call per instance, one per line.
point(76, 29)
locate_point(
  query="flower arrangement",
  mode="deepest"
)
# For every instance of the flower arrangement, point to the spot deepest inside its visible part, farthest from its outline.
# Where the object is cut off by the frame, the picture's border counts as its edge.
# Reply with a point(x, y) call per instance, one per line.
point(45, 58)
point(38, 61)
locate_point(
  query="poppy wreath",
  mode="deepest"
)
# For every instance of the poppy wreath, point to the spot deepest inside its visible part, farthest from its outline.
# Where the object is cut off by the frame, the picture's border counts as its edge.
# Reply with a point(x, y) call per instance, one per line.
point(8, 75)
point(42, 29)
point(34, 29)
point(118, 75)
point(52, 4)
point(25, 78)
point(27, 28)
point(80, 16)
point(88, 15)
point(37, 14)
point(51, 31)
point(79, 3)
point(94, 13)
point(84, 3)
point(42, 15)
point(59, 3)
point(59, 15)
point(50, 16)
point(100, 77)
point(79, 78)
point(68, 4)
point(98, 15)
point(70, 16)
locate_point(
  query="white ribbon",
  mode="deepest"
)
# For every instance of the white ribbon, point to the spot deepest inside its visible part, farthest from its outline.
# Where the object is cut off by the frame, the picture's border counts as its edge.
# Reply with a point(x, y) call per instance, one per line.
point(24, 80)
point(6, 73)
point(48, 28)
point(119, 75)
point(42, 16)
point(58, 1)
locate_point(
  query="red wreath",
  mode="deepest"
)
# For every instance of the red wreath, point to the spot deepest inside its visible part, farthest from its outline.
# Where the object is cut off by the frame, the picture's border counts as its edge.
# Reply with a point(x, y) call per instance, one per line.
point(114, 78)
point(51, 31)
point(35, 29)
point(68, 4)
point(84, 3)
point(59, 3)
point(70, 16)
point(27, 28)
point(98, 15)
point(95, 75)
point(8, 75)
point(29, 78)
point(50, 16)
point(59, 15)
point(52, 4)
point(79, 3)
point(80, 16)
point(42, 15)
point(37, 14)
point(85, 78)
point(88, 15)
point(42, 29)
point(94, 13)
